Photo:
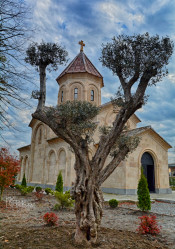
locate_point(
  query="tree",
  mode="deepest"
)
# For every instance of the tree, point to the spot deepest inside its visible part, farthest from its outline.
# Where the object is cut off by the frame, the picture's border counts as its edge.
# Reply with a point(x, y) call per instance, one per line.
point(59, 183)
point(138, 61)
point(9, 167)
point(144, 202)
point(14, 35)
point(42, 56)
point(24, 182)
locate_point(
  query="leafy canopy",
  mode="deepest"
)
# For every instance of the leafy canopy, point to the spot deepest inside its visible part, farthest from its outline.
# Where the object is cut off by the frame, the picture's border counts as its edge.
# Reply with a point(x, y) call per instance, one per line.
point(46, 54)
point(9, 167)
point(76, 116)
point(132, 56)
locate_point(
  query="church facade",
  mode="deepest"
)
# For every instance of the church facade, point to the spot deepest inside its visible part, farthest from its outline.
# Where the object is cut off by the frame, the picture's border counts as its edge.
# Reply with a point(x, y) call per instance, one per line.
point(47, 154)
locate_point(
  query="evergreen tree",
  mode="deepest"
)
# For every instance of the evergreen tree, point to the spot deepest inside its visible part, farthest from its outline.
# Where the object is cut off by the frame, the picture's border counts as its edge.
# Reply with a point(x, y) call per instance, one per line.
point(24, 182)
point(59, 184)
point(144, 202)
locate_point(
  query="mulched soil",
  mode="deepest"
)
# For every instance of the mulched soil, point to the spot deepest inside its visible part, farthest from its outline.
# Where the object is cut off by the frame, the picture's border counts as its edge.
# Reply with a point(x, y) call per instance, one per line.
point(23, 228)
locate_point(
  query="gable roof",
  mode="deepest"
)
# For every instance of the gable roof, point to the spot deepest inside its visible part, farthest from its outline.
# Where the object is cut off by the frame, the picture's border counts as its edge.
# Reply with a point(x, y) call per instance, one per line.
point(81, 64)
point(141, 130)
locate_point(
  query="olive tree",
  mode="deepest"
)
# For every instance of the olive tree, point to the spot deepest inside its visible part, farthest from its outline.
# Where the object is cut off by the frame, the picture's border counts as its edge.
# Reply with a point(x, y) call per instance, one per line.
point(139, 61)
point(42, 56)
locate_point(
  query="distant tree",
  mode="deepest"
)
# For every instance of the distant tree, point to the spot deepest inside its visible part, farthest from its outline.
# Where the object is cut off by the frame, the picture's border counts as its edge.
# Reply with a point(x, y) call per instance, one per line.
point(9, 167)
point(59, 183)
point(138, 61)
point(24, 182)
point(144, 202)
point(14, 34)
point(42, 56)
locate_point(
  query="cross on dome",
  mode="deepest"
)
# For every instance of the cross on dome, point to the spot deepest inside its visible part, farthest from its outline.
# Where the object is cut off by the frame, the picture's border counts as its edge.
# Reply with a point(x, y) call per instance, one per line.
point(82, 45)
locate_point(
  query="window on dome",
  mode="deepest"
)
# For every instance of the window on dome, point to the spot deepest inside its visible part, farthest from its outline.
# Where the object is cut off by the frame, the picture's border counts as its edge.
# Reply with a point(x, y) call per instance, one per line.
point(75, 93)
point(62, 96)
point(92, 95)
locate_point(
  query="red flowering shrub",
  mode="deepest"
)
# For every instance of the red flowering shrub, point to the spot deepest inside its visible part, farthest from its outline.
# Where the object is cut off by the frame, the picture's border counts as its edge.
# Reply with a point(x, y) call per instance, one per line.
point(149, 225)
point(9, 168)
point(50, 219)
point(39, 195)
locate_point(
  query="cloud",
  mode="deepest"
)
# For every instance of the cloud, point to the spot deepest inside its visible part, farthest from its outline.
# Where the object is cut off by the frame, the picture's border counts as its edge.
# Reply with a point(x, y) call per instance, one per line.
point(171, 77)
point(96, 22)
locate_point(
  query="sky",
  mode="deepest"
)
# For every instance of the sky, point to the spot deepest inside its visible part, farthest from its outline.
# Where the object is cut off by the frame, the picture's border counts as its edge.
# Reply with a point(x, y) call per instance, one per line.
point(96, 22)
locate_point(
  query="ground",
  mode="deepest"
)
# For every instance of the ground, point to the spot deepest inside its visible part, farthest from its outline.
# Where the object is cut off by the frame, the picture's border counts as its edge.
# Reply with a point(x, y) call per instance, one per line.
point(22, 226)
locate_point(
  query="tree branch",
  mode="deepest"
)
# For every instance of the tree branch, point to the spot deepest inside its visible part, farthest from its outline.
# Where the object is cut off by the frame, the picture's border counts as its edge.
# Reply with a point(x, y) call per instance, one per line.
point(107, 171)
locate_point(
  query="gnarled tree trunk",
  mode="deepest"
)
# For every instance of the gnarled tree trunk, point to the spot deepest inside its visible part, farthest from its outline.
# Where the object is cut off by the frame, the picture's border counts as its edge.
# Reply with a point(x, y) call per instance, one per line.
point(88, 206)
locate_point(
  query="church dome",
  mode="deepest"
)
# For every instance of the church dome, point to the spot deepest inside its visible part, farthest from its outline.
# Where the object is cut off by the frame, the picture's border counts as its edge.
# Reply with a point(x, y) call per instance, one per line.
point(81, 64)
point(80, 80)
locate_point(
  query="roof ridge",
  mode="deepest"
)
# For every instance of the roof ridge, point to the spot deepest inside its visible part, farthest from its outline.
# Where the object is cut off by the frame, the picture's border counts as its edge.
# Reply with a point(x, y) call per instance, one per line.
point(93, 65)
point(83, 55)
point(81, 64)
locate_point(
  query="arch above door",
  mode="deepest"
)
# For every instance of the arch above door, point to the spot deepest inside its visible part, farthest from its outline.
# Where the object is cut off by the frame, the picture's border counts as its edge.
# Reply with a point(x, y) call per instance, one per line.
point(147, 163)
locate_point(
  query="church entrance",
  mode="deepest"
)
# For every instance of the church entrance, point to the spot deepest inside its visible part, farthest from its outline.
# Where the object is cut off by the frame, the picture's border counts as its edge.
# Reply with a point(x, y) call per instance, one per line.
point(147, 163)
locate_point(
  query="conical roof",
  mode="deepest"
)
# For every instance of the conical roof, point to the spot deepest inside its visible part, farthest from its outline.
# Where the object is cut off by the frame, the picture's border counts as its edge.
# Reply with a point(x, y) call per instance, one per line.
point(81, 64)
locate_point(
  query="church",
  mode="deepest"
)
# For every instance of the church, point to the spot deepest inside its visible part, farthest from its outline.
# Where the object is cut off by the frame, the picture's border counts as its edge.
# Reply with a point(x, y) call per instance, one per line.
point(47, 155)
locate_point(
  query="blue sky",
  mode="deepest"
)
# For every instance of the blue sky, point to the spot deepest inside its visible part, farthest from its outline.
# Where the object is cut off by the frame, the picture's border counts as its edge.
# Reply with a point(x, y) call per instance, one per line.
point(96, 22)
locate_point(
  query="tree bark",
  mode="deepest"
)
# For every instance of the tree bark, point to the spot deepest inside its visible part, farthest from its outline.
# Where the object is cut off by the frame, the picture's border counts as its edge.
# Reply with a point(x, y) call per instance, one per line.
point(88, 208)
point(42, 97)
point(1, 189)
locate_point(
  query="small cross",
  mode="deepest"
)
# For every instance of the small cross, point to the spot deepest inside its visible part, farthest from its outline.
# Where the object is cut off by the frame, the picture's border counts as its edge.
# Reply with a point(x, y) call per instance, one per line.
point(82, 45)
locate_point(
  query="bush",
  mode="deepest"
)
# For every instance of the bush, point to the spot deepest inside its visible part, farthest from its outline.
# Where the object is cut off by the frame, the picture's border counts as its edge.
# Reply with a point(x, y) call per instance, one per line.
point(148, 225)
point(24, 190)
point(59, 183)
point(48, 191)
point(113, 203)
point(30, 189)
point(144, 202)
point(50, 219)
point(17, 186)
point(172, 181)
point(24, 182)
point(64, 200)
point(38, 189)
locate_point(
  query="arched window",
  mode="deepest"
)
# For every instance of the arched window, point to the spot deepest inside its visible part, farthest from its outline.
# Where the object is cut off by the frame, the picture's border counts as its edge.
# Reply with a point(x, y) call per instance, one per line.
point(75, 93)
point(62, 96)
point(92, 95)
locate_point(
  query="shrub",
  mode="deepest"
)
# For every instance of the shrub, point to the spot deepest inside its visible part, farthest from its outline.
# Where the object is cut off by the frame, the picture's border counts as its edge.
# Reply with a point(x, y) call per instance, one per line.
point(17, 186)
point(30, 189)
point(24, 182)
point(59, 183)
point(113, 203)
point(48, 191)
point(39, 195)
point(64, 200)
point(144, 202)
point(50, 219)
point(38, 189)
point(148, 225)
point(172, 181)
point(24, 191)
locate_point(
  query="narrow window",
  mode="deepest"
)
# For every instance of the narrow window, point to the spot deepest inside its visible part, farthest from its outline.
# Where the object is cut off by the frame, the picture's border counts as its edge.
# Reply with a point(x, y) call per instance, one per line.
point(62, 96)
point(92, 95)
point(76, 93)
